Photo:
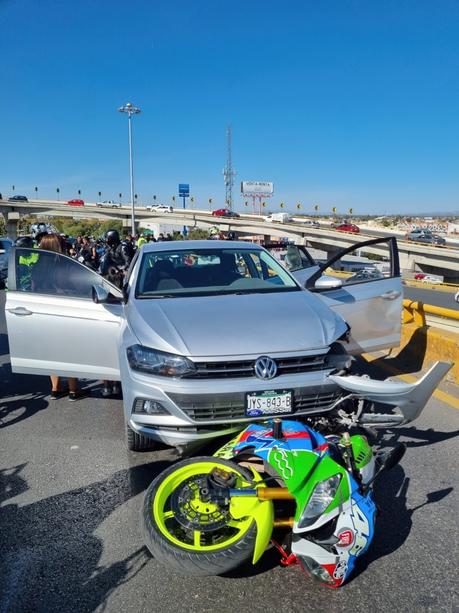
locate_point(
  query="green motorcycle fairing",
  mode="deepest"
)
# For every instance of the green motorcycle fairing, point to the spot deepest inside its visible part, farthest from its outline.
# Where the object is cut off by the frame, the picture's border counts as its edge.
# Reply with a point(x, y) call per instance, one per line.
point(300, 457)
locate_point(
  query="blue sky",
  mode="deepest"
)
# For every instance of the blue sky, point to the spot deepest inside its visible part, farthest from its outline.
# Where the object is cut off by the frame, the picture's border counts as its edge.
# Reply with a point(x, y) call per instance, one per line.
point(340, 103)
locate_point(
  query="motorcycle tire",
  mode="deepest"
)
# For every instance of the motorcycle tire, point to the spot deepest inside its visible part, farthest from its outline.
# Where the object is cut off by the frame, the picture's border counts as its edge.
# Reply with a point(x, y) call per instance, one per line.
point(170, 546)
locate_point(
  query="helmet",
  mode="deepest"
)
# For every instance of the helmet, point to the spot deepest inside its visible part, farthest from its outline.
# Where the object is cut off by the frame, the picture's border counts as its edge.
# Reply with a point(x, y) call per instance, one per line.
point(350, 526)
point(231, 236)
point(112, 237)
point(335, 522)
point(24, 241)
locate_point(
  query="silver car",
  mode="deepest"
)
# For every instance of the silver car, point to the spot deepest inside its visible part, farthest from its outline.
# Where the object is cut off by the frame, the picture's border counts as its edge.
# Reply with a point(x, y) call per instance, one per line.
point(425, 236)
point(206, 335)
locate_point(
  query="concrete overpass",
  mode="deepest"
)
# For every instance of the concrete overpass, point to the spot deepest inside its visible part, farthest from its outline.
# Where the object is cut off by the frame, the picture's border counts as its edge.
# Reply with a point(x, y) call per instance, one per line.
point(413, 256)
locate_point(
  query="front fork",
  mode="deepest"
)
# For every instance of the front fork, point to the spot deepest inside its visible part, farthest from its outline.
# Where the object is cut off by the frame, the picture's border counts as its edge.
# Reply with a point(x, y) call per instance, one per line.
point(268, 493)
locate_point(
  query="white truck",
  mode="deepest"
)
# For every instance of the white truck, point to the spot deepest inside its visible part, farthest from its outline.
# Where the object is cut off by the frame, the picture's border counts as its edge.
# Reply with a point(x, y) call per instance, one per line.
point(278, 217)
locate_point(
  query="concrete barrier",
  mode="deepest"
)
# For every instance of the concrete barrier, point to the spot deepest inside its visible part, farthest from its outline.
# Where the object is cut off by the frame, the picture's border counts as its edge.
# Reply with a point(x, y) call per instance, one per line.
point(422, 344)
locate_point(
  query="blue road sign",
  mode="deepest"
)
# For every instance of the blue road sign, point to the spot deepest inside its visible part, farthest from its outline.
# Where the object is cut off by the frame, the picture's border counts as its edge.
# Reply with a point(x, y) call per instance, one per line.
point(184, 190)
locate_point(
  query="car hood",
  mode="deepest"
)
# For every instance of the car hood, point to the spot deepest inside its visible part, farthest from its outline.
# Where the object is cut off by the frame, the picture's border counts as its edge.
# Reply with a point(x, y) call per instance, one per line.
point(235, 324)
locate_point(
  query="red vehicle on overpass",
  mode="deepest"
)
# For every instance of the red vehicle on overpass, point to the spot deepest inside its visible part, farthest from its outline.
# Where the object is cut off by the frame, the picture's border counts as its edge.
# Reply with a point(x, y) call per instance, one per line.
point(224, 213)
point(348, 227)
point(76, 202)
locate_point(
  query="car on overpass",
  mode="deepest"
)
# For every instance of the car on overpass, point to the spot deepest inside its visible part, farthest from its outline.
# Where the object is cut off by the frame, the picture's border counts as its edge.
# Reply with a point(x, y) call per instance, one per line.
point(311, 223)
point(225, 213)
point(76, 202)
point(194, 328)
point(278, 217)
point(18, 198)
point(348, 227)
point(109, 204)
point(160, 208)
point(425, 236)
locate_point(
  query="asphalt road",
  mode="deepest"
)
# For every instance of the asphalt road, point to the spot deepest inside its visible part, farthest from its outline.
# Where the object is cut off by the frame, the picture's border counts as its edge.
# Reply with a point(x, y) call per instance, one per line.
point(70, 495)
point(432, 296)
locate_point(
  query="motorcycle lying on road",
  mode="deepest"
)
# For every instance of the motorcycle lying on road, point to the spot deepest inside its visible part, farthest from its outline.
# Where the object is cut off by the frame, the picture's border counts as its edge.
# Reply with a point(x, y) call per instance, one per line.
point(310, 480)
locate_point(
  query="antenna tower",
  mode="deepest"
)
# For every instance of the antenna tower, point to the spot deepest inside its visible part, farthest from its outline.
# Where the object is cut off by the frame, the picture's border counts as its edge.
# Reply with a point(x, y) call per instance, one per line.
point(228, 172)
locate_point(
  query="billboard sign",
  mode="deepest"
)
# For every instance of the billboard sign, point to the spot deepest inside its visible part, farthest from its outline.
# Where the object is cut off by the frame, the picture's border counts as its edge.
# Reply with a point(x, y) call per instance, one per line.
point(184, 190)
point(257, 188)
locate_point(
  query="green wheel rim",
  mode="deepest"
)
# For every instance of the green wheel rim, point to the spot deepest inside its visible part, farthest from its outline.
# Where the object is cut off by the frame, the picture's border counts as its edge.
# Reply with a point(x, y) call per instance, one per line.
point(198, 540)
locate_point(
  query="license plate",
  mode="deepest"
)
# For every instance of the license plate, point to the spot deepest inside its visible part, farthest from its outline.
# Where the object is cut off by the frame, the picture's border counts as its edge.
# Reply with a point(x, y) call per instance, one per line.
point(274, 402)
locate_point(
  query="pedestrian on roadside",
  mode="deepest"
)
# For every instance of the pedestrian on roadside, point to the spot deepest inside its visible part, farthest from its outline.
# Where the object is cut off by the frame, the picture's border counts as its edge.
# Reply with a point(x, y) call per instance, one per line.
point(78, 245)
point(141, 241)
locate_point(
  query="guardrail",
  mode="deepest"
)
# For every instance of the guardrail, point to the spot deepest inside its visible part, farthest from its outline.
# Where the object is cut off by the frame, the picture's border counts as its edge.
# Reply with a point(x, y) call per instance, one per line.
point(427, 314)
point(442, 287)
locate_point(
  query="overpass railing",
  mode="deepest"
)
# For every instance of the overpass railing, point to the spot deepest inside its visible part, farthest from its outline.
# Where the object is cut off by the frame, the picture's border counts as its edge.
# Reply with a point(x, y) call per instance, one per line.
point(427, 314)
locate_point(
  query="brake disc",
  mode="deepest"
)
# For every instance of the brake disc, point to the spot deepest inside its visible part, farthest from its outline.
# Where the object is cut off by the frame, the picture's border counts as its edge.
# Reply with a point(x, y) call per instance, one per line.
point(193, 508)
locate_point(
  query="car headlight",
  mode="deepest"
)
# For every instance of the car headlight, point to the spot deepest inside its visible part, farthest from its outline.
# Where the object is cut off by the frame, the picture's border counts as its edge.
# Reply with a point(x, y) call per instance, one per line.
point(144, 359)
point(321, 498)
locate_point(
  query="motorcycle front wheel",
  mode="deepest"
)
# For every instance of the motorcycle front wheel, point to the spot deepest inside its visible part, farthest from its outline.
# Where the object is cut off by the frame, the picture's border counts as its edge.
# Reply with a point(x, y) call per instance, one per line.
point(193, 535)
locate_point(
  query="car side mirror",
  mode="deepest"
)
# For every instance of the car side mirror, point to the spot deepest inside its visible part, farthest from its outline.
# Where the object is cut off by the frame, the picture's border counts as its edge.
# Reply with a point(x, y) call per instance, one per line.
point(101, 295)
point(325, 282)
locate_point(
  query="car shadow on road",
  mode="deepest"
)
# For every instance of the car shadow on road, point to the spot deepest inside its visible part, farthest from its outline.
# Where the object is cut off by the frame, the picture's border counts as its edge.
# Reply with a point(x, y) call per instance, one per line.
point(50, 551)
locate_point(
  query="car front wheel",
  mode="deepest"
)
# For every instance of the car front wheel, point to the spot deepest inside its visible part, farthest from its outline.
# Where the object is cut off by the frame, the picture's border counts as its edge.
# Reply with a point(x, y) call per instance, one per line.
point(138, 442)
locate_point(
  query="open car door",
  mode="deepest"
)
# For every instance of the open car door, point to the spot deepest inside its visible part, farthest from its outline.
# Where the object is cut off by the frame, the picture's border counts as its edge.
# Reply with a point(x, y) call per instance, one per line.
point(362, 283)
point(54, 326)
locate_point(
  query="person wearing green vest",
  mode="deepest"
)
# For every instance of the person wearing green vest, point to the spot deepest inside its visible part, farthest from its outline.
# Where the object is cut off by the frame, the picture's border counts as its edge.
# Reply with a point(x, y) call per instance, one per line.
point(141, 241)
point(26, 262)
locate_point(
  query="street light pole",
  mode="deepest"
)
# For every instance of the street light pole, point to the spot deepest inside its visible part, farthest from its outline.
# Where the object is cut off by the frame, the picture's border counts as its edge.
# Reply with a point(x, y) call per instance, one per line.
point(130, 110)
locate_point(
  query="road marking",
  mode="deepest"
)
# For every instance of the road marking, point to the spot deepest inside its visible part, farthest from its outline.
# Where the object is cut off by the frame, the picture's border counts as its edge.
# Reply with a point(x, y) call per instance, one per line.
point(439, 394)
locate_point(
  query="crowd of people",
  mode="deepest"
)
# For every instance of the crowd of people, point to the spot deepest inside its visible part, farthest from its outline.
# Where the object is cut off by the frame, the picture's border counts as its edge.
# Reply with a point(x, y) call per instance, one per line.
point(93, 252)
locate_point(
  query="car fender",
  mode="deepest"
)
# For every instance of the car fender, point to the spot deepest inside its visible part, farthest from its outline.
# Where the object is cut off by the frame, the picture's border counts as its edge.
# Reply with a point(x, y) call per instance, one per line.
point(410, 398)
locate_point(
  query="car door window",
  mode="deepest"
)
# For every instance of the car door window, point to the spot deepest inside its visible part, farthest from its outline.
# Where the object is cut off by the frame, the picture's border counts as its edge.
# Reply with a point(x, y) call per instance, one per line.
point(47, 272)
point(293, 257)
point(364, 264)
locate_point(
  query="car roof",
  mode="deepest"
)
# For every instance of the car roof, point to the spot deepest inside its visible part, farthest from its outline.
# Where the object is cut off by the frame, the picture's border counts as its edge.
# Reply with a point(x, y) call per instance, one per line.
point(199, 244)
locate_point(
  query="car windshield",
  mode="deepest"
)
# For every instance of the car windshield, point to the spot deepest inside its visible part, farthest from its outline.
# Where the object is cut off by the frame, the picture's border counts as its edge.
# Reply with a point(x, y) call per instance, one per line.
point(198, 272)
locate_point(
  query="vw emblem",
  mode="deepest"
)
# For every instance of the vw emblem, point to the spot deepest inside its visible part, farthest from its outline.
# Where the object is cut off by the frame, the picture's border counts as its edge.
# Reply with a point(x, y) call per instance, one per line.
point(265, 367)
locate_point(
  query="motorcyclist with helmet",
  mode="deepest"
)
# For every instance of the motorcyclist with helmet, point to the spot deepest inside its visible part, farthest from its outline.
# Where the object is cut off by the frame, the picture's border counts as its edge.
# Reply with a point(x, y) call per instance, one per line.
point(116, 259)
point(113, 266)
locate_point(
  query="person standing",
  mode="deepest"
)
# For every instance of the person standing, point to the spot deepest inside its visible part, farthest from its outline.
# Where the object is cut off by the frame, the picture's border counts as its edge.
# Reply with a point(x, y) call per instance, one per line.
point(141, 241)
point(114, 265)
point(56, 243)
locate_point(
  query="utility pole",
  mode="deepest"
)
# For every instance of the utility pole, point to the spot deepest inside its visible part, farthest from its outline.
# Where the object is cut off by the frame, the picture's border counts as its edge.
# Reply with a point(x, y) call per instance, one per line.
point(130, 110)
point(228, 172)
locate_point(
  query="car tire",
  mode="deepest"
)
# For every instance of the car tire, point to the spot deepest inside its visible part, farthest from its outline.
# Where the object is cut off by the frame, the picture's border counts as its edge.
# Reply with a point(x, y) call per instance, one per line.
point(138, 442)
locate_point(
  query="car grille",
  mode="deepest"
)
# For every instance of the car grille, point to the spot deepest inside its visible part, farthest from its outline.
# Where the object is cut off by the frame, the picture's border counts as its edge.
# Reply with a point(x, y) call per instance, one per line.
point(204, 407)
point(229, 370)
